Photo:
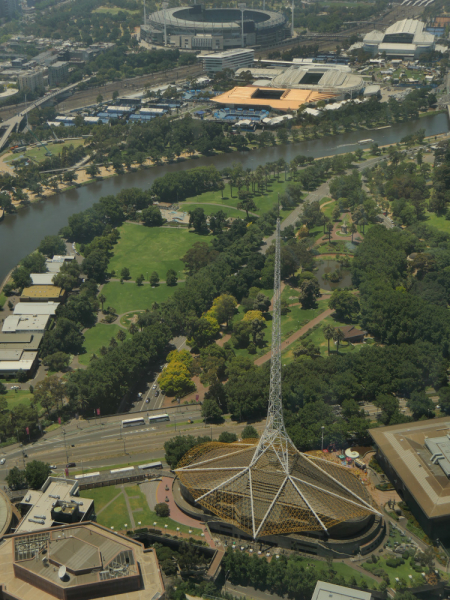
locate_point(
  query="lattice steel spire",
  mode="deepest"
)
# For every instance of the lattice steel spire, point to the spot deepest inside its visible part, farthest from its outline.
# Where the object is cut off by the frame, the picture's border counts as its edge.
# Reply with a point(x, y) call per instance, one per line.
point(273, 488)
point(275, 432)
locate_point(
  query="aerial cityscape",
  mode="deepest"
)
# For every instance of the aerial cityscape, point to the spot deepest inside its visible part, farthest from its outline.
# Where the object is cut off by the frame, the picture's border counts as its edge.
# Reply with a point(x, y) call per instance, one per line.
point(224, 300)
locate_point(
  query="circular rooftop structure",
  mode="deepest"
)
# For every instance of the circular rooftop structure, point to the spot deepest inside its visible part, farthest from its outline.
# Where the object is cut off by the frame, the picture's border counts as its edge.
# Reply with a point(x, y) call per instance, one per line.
point(265, 25)
point(6, 513)
point(262, 495)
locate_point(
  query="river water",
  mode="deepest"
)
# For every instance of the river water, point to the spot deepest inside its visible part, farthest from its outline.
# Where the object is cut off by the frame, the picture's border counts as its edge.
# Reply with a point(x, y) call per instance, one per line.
point(21, 233)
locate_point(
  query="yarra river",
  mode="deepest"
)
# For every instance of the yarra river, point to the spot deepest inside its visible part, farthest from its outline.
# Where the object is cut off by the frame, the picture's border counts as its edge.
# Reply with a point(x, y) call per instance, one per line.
point(21, 233)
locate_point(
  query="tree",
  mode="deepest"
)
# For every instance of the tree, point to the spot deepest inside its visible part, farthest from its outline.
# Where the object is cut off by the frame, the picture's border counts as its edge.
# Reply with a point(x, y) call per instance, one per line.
point(69, 276)
point(223, 308)
point(353, 230)
point(139, 280)
point(198, 256)
point(211, 411)
point(64, 337)
point(309, 292)
point(444, 399)
point(338, 336)
point(162, 510)
point(16, 478)
point(102, 300)
point(421, 405)
point(262, 302)
point(99, 99)
point(152, 217)
point(227, 438)
point(51, 245)
point(345, 304)
point(125, 273)
point(178, 446)
point(246, 204)
point(92, 170)
point(154, 279)
point(217, 221)
point(95, 265)
point(115, 95)
point(249, 432)
point(57, 361)
point(171, 277)
point(36, 473)
point(328, 332)
point(197, 220)
point(121, 335)
point(49, 393)
point(336, 214)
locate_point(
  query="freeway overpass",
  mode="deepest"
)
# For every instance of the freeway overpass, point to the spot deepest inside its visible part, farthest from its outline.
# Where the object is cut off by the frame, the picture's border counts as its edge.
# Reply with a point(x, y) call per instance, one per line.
point(14, 122)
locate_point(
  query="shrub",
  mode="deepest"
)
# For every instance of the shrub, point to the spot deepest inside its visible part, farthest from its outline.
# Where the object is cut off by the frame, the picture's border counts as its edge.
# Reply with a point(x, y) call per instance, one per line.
point(162, 510)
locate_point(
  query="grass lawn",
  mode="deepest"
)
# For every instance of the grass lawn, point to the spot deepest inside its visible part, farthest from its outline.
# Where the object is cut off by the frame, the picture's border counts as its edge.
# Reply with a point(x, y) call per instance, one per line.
point(16, 397)
point(116, 515)
point(125, 297)
point(96, 337)
point(146, 249)
point(440, 223)
point(263, 200)
point(342, 569)
point(101, 496)
point(39, 153)
point(209, 210)
point(147, 517)
point(402, 571)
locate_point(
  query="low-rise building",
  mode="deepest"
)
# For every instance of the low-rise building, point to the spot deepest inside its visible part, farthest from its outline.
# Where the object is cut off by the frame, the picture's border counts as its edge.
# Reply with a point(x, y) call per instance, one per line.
point(26, 324)
point(42, 293)
point(35, 308)
point(57, 72)
point(75, 562)
point(20, 341)
point(42, 278)
point(56, 503)
point(331, 591)
point(14, 361)
point(229, 59)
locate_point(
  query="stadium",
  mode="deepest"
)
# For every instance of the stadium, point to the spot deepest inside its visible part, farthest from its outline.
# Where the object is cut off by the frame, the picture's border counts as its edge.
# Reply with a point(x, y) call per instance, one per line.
point(200, 28)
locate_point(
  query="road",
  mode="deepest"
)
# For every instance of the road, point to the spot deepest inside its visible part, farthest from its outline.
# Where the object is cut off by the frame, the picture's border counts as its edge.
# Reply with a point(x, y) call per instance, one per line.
point(102, 442)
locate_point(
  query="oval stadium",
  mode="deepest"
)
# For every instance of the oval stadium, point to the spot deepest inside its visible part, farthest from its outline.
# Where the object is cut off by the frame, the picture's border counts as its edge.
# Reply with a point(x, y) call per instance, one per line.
point(200, 28)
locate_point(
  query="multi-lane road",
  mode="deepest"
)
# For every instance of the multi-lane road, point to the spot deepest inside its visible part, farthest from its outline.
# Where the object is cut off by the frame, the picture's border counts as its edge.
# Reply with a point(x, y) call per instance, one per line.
point(103, 441)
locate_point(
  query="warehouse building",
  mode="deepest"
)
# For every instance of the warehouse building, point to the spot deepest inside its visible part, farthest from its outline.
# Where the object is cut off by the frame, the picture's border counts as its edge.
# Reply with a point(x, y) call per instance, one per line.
point(42, 293)
point(405, 39)
point(416, 458)
point(26, 324)
point(42, 278)
point(35, 308)
point(13, 362)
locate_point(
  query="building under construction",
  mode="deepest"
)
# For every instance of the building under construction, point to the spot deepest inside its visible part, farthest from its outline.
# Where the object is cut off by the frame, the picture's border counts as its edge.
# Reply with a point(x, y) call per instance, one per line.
point(271, 492)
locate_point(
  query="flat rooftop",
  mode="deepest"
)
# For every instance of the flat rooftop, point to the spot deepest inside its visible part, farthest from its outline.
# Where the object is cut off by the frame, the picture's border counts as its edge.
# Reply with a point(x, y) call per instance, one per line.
point(406, 447)
point(42, 291)
point(23, 341)
point(36, 308)
point(41, 502)
point(277, 99)
point(22, 323)
point(42, 278)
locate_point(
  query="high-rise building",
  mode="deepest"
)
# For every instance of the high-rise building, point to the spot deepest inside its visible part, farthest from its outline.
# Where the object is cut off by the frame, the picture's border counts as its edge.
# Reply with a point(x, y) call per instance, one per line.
point(31, 80)
point(57, 72)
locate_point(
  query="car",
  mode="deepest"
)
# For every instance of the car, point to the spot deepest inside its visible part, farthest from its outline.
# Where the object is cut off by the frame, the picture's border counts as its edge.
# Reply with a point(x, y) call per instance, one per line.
point(2, 461)
point(156, 393)
point(70, 465)
point(154, 386)
point(148, 400)
point(52, 466)
point(15, 387)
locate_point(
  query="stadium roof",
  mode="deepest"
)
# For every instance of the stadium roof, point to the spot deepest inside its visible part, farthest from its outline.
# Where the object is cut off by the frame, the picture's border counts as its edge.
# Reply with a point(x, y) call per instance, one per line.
point(261, 97)
point(411, 26)
point(405, 448)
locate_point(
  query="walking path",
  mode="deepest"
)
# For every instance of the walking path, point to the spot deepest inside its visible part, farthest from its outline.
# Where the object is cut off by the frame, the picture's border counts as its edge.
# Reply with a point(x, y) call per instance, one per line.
point(175, 513)
point(130, 512)
point(295, 336)
point(98, 512)
point(221, 206)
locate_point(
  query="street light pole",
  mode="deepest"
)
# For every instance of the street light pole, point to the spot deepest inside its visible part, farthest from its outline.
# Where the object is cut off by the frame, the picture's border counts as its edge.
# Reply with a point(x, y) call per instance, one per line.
point(242, 6)
point(65, 446)
point(323, 427)
point(165, 5)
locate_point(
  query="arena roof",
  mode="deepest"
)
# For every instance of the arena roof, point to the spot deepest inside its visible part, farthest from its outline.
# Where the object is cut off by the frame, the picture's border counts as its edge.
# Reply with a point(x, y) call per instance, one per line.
point(261, 97)
point(216, 18)
point(405, 448)
point(406, 26)
point(324, 79)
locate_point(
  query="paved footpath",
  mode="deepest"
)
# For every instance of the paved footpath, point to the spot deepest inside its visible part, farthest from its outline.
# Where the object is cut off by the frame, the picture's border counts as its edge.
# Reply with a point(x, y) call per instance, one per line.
point(295, 336)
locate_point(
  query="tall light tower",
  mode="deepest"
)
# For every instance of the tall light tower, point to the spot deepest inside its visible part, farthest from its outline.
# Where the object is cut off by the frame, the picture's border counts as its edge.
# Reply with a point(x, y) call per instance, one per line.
point(164, 6)
point(145, 14)
point(242, 6)
point(292, 24)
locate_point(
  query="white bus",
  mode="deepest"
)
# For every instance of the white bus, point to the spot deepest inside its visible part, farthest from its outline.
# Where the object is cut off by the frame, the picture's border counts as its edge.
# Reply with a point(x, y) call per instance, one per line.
point(158, 418)
point(154, 465)
point(133, 422)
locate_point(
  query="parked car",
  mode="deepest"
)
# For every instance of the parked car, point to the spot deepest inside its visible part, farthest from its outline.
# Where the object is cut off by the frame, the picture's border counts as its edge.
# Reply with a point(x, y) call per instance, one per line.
point(69, 465)
point(2, 461)
point(52, 466)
